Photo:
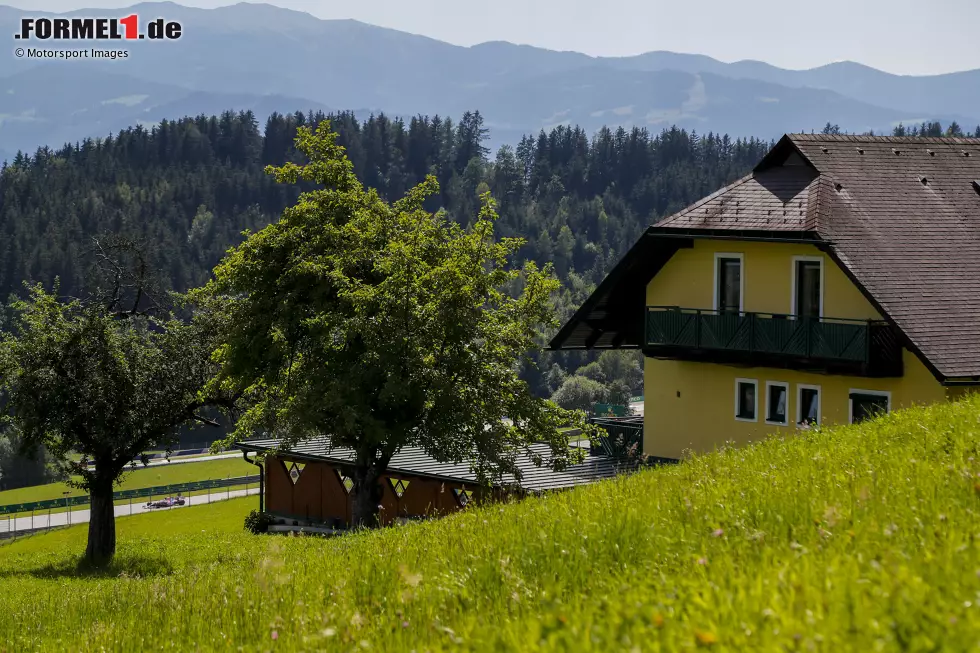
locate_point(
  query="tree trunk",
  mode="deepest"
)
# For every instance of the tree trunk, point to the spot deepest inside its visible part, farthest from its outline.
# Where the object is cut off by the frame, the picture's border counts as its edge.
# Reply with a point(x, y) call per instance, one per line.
point(101, 527)
point(365, 496)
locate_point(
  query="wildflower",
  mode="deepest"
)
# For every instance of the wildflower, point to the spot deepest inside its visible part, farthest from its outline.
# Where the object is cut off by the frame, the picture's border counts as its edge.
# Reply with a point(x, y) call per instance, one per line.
point(718, 533)
point(702, 561)
point(275, 634)
point(705, 638)
point(410, 579)
point(404, 624)
point(658, 620)
point(328, 632)
point(830, 516)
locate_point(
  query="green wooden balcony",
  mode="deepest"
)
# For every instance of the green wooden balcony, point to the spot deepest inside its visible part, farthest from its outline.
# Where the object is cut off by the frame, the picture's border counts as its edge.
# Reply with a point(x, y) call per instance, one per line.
point(841, 346)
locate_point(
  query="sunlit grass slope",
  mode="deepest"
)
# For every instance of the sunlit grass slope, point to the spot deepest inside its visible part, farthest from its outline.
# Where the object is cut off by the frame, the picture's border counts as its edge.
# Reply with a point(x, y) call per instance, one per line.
point(863, 538)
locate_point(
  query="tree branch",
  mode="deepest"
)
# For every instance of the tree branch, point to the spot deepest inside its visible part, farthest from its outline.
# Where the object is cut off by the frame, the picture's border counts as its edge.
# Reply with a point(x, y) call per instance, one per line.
point(205, 420)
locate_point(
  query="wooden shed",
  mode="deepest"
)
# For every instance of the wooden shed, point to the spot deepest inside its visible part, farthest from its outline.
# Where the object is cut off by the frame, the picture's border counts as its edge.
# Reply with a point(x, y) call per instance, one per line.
point(310, 482)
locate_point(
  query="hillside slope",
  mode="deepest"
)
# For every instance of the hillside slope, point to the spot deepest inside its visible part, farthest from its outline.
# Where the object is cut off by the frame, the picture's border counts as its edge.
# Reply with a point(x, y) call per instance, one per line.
point(857, 538)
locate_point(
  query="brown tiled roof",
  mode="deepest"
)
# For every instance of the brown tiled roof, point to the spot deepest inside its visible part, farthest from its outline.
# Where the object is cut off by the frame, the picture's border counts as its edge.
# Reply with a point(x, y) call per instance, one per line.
point(776, 200)
point(901, 215)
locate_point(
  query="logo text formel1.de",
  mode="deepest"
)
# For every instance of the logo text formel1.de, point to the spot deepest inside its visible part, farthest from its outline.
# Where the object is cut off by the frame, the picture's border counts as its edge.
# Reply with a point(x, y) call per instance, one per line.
point(98, 29)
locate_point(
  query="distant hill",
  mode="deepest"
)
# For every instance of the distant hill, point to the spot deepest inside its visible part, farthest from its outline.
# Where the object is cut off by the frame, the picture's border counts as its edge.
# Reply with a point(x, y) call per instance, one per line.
point(264, 58)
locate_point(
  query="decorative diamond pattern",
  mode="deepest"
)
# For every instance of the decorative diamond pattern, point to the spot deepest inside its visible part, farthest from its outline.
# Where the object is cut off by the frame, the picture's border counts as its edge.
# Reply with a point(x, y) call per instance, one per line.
point(346, 481)
point(463, 497)
point(399, 486)
point(295, 469)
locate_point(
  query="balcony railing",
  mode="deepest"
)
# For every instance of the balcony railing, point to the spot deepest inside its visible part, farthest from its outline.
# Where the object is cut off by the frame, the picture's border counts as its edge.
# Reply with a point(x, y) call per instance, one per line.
point(864, 347)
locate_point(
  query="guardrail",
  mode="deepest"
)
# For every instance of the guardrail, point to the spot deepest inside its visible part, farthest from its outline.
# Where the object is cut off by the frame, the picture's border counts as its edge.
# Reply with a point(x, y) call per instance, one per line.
point(179, 488)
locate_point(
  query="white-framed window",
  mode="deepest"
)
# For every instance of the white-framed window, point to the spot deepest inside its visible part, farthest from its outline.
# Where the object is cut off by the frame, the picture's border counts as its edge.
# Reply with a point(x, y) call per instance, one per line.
point(777, 403)
point(807, 287)
point(807, 404)
point(729, 291)
point(746, 400)
point(866, 404)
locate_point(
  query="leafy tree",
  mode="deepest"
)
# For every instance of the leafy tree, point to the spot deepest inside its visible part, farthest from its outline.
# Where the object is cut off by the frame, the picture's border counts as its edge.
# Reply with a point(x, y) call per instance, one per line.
point(580, 393)
point(619, 393)
point(17, 470)
point(107, 381)
point(383, 325)
point(555, 377)
point(831, 129)
point(625, 365)
point(592, 371)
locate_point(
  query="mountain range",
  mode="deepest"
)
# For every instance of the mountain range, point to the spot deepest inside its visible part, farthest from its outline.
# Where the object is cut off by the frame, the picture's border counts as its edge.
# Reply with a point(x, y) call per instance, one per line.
point(265, 58)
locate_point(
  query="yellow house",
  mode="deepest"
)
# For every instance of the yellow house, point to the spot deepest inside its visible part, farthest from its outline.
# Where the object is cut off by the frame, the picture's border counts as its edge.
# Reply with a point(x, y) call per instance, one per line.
point(840, 278)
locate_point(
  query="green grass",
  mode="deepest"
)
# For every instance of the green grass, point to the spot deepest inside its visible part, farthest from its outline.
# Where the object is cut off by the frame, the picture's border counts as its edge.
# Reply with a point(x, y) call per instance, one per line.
point(221, 517)
point(140, 478)
point(862, 538)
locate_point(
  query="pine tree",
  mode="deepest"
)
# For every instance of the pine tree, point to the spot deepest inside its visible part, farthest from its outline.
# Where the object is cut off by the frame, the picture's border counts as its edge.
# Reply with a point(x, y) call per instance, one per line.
point(954, 130)
point(151, 184)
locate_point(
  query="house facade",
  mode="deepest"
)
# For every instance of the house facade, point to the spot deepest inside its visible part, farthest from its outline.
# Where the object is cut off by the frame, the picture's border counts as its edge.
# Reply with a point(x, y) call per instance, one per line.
point(838, 279)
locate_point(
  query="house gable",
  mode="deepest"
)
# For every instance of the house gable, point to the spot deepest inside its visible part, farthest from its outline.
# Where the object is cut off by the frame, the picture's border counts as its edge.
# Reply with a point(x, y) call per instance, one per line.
point(900, 217)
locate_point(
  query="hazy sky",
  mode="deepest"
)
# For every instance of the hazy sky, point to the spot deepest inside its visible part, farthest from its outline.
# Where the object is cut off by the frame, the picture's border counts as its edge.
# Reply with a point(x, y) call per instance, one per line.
point(900, 36)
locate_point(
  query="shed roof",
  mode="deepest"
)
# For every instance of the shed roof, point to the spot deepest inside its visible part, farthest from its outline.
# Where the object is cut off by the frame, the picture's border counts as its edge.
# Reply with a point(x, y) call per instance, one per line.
point(414, 461)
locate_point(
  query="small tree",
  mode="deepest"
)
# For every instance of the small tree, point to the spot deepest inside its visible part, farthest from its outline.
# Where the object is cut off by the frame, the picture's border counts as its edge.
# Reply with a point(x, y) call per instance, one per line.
point(92, 378)
point(382, 326)
point(580, 393)
point(954, 130)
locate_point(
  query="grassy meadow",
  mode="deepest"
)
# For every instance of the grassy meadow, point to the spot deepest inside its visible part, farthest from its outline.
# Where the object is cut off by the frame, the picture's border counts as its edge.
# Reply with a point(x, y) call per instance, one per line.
point(863, 538)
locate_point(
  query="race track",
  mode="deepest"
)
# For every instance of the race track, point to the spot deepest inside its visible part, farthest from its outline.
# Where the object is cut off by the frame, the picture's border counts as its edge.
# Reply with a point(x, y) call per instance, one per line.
point(44, 520)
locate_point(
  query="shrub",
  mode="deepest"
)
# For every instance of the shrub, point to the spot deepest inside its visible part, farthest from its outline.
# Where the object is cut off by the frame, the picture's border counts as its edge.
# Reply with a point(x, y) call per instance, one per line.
point(257, 522)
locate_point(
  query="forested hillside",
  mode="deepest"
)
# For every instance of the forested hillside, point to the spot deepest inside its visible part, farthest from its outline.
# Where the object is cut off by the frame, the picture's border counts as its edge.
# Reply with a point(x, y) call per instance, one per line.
point(189, 188)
